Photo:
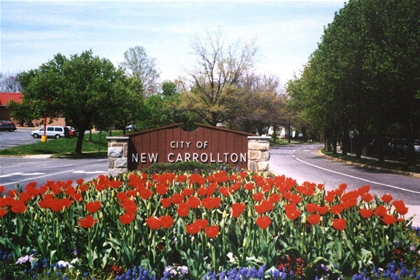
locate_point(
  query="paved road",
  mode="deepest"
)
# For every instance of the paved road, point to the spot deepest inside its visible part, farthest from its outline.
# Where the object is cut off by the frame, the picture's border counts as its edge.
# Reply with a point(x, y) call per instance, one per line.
point(22, 170)
point(304, 163)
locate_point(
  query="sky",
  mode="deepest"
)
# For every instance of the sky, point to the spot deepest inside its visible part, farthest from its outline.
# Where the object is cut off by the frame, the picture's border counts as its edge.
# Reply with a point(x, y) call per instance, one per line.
point(286, 33)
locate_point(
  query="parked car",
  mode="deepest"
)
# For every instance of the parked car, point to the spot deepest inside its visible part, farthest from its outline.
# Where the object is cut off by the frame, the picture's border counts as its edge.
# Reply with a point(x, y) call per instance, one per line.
point(131, 127)
point(398, 146)
point(7, 125)
point(373, 148)
point(52, 131)
point(72, 131)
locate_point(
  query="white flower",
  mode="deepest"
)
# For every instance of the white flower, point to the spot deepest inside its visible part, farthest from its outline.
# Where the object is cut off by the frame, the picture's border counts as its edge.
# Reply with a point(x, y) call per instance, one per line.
point(24, 259)
point(63, 264)
point(231, 257)
point(183, 269)
point(171, 270)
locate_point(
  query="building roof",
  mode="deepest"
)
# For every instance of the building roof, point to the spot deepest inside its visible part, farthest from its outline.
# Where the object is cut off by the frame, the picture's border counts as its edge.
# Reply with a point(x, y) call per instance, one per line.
point(8, 96)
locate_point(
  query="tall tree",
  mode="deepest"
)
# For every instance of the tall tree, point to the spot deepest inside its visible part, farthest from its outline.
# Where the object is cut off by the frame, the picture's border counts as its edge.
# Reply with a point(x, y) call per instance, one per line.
point(79, 88)
point(365, 69)
point(210, 88)
point(142, 67)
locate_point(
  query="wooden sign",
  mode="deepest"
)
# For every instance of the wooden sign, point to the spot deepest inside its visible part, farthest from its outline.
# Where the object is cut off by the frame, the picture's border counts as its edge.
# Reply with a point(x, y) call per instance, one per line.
point(171, 144)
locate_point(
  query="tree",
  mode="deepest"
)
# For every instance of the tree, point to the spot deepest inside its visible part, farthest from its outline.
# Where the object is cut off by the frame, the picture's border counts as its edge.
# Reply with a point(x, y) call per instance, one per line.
point(211, 88)
point(9, 83)
point(142, 67)
point(131, 102)
point(81, 88)
point(260, 104)
point(164, 108)
point(40, 88)
point(364, 74)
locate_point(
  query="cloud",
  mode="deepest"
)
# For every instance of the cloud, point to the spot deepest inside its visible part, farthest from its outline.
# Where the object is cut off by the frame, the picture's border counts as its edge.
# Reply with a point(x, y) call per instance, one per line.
point(286, 32)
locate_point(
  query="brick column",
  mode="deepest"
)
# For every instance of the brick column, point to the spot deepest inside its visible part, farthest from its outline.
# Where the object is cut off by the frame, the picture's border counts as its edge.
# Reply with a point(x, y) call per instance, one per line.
point(117, 154)
point(259, 153)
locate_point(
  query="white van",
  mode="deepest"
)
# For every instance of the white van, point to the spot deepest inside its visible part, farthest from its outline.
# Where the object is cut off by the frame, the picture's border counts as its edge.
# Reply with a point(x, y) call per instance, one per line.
point(52, 131)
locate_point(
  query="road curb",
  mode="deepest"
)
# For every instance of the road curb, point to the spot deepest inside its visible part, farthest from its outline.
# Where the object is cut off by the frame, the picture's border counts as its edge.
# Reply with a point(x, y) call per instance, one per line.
point(37, 156)
point(406, 173)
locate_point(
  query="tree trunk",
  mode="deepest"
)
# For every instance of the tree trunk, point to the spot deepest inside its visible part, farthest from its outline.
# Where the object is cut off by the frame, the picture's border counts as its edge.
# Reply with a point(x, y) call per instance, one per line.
point(80, 141)
point(274, 134)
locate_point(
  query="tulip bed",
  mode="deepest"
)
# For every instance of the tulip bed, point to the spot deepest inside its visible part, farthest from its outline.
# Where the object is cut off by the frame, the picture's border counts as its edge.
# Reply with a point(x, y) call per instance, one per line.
point(202, 226)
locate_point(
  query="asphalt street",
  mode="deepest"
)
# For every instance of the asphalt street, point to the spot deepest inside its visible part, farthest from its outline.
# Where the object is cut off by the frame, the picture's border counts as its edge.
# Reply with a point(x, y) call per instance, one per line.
point(305, 163)
point(41, 168)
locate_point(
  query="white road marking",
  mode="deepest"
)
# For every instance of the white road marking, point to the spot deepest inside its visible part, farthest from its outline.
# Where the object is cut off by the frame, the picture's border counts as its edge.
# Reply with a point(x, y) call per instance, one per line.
point(21, 174)
point(358, 178)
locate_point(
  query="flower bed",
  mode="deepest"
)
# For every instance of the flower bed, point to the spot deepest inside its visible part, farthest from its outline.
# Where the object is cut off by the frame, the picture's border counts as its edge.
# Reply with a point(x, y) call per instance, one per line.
point(205, 225)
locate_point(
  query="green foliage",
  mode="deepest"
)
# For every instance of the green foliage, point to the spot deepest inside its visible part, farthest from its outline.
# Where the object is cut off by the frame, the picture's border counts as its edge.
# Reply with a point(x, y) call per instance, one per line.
point(361, 77)
point(187, 166)
point(164, 109)
point(84, 89)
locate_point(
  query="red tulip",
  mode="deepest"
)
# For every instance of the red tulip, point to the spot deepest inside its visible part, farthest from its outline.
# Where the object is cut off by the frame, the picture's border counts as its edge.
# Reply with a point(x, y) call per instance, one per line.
point(126, 218)
point(339, 224)
point(389, 219)
point(212, 231)
point(193, 202)
point(237, 209)
point(263, 222)
point(365, 213)
point(311, 207)
point(87, 222)
point(292, 214)
point(322, 210)
point(183, 209)
point(93, 207)
point(166, 221)
point(3, 212)
point(153, 223)
point(314, 219)
point(386, 198)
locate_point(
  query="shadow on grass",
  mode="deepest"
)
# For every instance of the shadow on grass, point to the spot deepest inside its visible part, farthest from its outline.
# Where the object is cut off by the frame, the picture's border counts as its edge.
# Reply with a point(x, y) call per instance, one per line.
point(81, 156)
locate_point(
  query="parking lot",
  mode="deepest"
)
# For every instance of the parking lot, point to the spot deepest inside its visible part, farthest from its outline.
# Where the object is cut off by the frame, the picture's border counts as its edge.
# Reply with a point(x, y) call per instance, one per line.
point(21, 136)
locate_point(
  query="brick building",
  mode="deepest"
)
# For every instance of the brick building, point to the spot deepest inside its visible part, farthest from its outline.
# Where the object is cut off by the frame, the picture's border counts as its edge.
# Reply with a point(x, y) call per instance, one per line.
point(5, 113)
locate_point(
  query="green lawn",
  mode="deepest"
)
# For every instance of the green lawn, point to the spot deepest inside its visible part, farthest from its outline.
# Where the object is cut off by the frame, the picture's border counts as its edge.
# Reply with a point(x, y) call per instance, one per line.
point(93, 145)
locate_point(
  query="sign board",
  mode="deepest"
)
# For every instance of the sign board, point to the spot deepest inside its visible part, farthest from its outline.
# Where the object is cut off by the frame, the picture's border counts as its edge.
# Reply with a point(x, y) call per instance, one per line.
point(171, 144)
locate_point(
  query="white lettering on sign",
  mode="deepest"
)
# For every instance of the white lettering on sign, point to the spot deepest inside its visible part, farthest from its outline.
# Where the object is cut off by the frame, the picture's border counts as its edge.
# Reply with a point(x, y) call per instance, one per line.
point(180, 144)
point(180, 157)
point(202, 145)
point(144, 157)
point(205, 157)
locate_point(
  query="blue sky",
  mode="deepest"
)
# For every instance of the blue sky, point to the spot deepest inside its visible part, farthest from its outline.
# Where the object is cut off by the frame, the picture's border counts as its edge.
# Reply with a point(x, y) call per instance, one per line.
point(285, 32)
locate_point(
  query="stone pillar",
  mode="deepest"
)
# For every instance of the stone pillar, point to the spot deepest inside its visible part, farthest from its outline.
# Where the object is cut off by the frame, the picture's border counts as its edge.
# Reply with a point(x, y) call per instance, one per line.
point(259, 153)
point(117, 154)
